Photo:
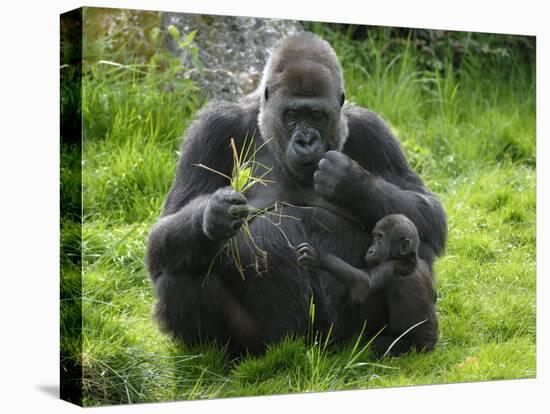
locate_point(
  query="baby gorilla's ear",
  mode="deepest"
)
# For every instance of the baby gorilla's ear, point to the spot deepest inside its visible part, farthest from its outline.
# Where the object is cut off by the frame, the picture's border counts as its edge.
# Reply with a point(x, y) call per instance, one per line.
point(405, 246)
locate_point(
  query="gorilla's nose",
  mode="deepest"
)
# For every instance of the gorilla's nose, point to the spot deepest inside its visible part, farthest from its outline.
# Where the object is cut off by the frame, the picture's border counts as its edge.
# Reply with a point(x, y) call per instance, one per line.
point(306, 143)
point(305, 140)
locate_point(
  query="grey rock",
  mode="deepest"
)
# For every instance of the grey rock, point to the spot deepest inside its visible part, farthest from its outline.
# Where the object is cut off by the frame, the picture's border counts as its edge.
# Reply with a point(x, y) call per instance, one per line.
point(232, 50)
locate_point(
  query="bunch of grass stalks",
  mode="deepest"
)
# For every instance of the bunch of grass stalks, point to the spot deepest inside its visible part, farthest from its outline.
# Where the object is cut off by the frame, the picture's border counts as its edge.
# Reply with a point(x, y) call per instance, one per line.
point(246, 173)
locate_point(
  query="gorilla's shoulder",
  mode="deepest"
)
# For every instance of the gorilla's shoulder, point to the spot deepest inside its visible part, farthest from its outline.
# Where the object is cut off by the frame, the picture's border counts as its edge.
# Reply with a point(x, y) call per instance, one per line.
point(241, 111)
point(219, 120)
point(371, 142)
point(220, 111)
point(367, 125)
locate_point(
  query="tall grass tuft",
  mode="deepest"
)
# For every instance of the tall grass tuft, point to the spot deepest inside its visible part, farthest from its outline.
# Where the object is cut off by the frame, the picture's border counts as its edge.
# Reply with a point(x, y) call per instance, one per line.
point(245, 174)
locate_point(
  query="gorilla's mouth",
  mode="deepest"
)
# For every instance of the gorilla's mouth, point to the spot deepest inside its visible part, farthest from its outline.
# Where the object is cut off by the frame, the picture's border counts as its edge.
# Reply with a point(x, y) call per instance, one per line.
point(303, 170)
point(309, 164)
point(303, 165)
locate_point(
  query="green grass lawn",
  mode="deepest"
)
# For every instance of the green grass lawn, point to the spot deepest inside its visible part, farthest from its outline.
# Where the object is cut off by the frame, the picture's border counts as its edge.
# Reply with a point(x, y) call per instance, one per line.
point(468, 131)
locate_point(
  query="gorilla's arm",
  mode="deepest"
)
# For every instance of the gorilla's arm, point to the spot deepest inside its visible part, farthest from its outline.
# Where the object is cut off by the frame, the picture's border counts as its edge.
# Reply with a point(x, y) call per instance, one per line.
point(200, 212)
point(424, 210)
point(360, 282)
point(375, 180)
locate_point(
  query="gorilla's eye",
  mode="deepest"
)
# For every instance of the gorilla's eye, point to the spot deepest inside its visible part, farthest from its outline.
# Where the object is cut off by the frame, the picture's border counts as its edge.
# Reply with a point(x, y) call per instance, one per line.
point(292, 114)
point(317, 115)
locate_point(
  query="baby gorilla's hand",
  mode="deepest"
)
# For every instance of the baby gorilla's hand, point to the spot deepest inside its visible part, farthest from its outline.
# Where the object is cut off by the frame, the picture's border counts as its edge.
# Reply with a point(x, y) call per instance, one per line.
point(307, 255)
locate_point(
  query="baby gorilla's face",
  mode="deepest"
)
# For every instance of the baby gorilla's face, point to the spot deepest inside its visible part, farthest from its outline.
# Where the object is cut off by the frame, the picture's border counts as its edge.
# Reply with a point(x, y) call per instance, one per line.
point(393, 237)
point(379, 249)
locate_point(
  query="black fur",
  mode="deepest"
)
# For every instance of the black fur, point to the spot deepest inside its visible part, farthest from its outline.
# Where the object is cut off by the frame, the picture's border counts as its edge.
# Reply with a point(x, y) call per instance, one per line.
point(362, 176)
point(391, 267)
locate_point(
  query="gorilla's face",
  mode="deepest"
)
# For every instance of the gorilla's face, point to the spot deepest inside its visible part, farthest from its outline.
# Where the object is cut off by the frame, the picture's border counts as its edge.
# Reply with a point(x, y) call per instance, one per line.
point(301, 116)
point(393, 237)
point(379, 249)
point(307, 122)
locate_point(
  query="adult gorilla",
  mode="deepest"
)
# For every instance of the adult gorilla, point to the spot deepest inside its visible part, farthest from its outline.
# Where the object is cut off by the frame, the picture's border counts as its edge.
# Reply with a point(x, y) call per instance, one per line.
point(335, 170)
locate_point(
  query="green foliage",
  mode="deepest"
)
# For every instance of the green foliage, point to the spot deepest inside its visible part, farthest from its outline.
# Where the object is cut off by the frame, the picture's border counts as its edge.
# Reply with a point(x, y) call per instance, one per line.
point(134, 114)
point(439, 49)
point(469, 129)
point(186, 43)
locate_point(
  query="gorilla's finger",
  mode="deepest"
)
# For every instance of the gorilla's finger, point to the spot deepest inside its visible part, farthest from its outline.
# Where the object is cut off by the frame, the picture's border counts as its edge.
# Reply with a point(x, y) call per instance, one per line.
point(318, 176)
point(325, 173)
point(233, 197)
point(305, 250)
point(304, 244)
point(323, 164)
point(239, 211)
point(324, 183)
point(329, 165)
point(237, 224)
point(334, 156)
point(326, 180)
point(304, 259)
point(320, 189)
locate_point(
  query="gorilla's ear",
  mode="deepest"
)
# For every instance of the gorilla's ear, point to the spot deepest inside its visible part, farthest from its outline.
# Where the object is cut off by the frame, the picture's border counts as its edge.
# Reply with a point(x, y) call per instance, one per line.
point(343, 99)
point(266, 93)
point(405, 246)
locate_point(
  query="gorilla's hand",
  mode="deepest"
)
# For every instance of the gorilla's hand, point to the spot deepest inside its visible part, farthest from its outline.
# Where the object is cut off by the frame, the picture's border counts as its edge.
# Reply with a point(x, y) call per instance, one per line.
point(338, 177)
point(225, 213)
point(307, 255)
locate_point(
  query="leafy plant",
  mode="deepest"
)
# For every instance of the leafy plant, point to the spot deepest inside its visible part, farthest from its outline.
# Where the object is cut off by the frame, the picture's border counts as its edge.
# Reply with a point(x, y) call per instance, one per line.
point(186, 43)
point(246, 173)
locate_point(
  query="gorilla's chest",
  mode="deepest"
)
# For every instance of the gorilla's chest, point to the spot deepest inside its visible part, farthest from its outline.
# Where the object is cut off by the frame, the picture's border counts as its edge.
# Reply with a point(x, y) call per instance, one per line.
point(331, 232)
point(282, 225)
point(284, 218)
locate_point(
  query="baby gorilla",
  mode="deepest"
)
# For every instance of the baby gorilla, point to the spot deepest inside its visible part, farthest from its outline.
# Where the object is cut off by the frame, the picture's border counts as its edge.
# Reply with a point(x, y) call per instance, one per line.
point(392, 265)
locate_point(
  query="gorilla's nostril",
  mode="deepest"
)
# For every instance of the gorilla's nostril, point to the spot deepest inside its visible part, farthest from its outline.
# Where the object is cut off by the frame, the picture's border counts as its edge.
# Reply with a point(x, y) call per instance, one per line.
point(302, 142)
point(306, 141)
